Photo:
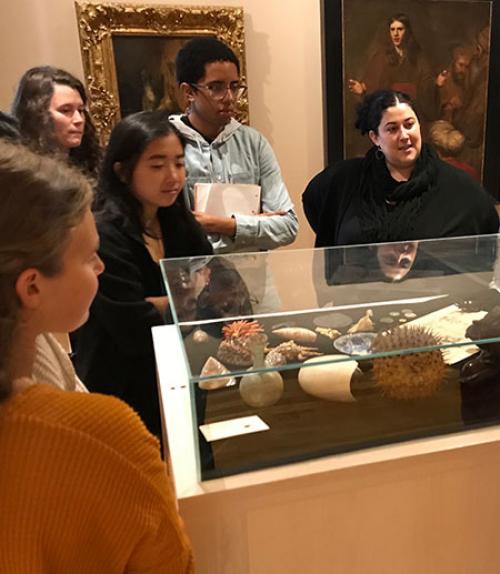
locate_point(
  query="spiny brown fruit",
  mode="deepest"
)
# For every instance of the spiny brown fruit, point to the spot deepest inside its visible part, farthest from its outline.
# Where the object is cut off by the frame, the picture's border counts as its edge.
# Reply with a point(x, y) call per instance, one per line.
point(411, 376)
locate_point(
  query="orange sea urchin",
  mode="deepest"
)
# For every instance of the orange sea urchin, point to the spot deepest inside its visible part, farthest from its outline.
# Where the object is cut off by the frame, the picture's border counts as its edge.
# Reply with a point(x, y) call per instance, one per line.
point(241, 329)
point(234, 349)
point(409, 376)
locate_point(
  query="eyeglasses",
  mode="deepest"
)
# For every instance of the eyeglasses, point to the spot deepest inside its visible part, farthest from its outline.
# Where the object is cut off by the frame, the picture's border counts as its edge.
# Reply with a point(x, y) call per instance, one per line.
point(217, 90)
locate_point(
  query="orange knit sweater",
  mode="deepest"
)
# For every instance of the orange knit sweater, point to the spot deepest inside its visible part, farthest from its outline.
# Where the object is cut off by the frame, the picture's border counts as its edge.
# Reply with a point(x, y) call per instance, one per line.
point(83, 489)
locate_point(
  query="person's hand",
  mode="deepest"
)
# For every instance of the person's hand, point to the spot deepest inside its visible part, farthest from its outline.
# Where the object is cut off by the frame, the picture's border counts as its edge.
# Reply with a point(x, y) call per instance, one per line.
point(161, 303)
point(442, 78)
point(216, 223)
point(356, 87)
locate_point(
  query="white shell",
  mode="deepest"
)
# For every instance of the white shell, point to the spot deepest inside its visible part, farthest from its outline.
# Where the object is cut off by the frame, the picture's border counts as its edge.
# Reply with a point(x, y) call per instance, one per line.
point(298, 334)
point(330, 381)
point(199, 336)
point(213, 367)
point(365, 324)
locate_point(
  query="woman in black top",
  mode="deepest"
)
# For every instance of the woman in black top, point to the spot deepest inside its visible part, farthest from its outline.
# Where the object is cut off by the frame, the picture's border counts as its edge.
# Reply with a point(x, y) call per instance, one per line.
point(141, 218)
point(399, 191)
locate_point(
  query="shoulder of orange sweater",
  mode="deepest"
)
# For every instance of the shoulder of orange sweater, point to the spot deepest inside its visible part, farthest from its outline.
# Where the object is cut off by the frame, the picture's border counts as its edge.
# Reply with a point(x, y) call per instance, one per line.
point(100, 436)
point(98, 418)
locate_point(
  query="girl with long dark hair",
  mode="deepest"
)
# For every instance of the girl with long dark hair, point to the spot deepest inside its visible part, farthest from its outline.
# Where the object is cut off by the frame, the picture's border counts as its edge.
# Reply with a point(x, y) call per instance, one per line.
point(141, 218)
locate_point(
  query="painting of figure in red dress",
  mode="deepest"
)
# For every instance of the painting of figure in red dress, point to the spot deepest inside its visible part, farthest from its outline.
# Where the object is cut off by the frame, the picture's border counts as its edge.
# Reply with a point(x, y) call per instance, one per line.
point(437, 51)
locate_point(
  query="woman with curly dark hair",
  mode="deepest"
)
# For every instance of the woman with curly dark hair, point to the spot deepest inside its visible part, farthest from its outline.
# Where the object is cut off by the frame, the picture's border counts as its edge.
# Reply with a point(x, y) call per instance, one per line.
point(400, 191)
point(51, 107)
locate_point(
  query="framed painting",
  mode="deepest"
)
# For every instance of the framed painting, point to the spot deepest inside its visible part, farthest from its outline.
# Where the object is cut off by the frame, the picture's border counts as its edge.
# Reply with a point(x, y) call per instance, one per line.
point(129, 50)
point(438, 52)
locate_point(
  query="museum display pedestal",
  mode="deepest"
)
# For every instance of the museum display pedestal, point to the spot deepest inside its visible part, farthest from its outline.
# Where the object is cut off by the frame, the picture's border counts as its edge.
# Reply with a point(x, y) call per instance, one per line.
point(422, 506)
point(336, 410)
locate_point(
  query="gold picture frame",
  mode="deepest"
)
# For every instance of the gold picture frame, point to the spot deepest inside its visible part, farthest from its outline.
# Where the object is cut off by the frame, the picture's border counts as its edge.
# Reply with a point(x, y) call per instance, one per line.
point(122, 43)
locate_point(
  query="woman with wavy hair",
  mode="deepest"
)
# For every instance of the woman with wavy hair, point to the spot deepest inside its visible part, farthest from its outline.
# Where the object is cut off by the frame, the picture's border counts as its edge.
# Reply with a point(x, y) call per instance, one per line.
point(82, 484)
point(51, 107)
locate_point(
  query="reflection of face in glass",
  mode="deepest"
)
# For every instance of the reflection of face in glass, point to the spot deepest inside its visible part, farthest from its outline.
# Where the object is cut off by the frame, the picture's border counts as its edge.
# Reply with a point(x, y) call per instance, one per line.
point(186, 287)
point(396, 259)
point(397, 30)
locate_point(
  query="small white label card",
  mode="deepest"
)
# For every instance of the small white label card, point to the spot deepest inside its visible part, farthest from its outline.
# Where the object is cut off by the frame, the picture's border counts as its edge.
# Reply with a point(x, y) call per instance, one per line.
point(233, 427)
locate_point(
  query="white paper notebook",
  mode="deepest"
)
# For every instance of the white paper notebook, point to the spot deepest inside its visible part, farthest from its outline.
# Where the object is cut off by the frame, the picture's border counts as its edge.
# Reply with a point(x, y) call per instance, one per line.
point(225, 199)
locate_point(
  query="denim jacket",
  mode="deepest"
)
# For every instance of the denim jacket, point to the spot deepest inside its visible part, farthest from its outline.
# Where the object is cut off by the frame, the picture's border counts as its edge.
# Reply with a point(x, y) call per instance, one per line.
point(240, 154)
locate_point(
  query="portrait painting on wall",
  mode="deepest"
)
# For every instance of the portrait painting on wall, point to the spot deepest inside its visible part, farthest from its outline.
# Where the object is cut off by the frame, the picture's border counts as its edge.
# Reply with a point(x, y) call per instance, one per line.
point(436, 51)
point(145, 73)
point(128, 55)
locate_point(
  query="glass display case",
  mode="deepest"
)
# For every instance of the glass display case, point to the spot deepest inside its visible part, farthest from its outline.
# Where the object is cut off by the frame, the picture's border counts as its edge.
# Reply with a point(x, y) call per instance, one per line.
point(297, 354)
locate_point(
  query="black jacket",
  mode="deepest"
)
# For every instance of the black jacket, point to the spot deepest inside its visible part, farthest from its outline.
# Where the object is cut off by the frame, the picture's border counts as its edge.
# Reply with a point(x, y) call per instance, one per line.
point(114, 349)
point(457, 206)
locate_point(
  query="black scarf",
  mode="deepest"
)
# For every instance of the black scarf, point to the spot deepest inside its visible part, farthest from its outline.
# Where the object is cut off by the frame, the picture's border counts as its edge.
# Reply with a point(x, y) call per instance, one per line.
point(389, 208)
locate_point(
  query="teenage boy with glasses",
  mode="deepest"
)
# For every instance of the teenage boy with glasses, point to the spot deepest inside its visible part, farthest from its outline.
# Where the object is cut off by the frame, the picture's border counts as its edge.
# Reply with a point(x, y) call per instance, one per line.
point(221, 150)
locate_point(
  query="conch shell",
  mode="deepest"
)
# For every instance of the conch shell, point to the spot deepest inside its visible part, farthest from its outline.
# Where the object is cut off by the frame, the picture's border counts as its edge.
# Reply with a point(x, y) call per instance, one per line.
point(297, 334)
point(365, 324)
point(213, 367)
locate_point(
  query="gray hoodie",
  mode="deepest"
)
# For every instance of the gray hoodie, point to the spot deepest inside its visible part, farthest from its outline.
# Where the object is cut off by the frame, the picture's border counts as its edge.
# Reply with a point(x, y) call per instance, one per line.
point(240, 154)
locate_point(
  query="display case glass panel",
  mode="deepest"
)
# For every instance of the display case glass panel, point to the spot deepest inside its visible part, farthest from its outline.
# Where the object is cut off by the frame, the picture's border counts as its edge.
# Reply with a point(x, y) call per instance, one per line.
point(297, 354)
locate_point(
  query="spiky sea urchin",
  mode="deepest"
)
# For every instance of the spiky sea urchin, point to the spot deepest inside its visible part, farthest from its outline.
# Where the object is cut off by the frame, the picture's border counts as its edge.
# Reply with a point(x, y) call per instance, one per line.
point(410, 376)
point(238, 329)
point(234, 349)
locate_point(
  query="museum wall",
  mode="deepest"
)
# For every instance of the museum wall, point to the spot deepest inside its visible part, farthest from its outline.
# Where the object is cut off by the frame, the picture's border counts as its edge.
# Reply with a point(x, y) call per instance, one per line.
point(283, 49)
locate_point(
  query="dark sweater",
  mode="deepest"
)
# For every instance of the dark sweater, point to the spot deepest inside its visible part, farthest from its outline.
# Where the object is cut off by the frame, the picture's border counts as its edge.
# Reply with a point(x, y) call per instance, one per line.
point(457, 206)
point(114, 348)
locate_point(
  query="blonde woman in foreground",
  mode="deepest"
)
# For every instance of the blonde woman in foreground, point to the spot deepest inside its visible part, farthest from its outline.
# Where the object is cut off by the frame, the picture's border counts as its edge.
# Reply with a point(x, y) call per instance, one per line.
point(82, 485)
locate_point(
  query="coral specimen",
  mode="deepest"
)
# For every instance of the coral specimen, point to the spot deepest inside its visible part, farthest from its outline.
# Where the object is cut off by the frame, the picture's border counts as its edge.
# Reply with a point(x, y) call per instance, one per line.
point(364, 324)
point(288, 352)
point(408, 376)
point(233, 350)
point(238, 329)
point(297, 334)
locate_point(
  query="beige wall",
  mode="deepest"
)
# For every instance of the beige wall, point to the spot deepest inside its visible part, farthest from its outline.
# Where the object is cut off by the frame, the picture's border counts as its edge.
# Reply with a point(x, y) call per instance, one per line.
point(283, 63)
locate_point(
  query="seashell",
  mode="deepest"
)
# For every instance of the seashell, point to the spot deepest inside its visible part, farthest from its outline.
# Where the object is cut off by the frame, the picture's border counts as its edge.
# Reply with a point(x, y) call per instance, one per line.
point(328, 332)
point(199, 336)
point(275, 359)
point(293, 352)
point(328, 380)
point(365, 324)
point(297, 334)
point(213, 367)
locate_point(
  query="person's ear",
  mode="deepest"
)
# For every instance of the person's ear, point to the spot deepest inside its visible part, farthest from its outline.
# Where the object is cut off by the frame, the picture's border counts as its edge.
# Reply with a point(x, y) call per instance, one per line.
point(187, 92)
point(119, 171)
point(373, 137)
point(28, 288)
